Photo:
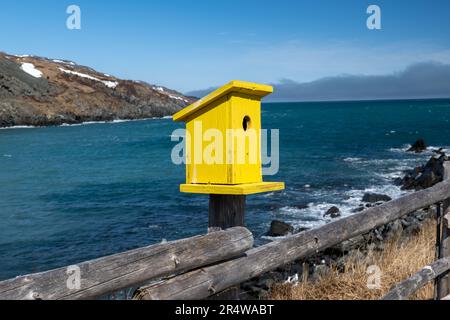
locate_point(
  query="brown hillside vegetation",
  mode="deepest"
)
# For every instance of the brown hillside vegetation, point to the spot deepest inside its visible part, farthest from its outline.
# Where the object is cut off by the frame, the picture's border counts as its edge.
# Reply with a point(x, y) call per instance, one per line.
point(401, 258)
point(65, 92)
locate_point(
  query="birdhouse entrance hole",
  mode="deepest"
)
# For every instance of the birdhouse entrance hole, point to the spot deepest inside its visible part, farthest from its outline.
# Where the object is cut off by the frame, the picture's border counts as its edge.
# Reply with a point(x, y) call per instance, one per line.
point(246, 123)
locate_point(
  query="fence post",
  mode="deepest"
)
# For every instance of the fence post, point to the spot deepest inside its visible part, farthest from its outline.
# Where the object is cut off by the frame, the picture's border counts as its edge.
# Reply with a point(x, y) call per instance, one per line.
point(444, 282)
point(226, 211)
point(437, 282)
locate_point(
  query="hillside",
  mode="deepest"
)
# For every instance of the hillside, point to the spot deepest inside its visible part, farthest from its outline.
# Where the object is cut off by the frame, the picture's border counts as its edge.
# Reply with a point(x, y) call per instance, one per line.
point(38, 91)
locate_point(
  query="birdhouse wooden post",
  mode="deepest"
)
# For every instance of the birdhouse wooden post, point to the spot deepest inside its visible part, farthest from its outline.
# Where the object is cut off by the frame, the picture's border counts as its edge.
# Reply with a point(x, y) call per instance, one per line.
point(223, 150)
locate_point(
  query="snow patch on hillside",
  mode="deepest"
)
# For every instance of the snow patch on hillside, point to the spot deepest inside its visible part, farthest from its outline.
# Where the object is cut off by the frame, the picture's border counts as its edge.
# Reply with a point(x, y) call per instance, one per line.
point(31, 70)
point(109, 84)
point(178, 98)
point(161, 89)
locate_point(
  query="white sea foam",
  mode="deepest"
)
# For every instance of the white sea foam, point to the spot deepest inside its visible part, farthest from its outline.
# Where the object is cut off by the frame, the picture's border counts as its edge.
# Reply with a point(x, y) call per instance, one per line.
point(19, 127)
point(429, 150)
point(347, 201)
point(351, 159)
point(87, 123)
point(402, 149)
point(105, 122)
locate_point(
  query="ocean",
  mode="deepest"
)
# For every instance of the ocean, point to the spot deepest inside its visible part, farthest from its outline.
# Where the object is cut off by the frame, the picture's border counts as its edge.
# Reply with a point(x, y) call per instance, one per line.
point(73, 193)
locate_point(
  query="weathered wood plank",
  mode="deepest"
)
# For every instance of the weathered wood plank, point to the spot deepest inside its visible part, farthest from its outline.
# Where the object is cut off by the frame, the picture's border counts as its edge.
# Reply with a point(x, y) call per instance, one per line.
point(204, 282)
point(408, 287)
point(105, 275)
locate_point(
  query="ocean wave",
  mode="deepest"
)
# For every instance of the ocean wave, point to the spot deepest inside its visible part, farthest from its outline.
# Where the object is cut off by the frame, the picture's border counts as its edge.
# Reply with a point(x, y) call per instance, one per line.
point(428, 151)
point(112, 121)
point(312, 216)
point(402, 149)
point(351, 159)
point(380, 173)
point(19, 127)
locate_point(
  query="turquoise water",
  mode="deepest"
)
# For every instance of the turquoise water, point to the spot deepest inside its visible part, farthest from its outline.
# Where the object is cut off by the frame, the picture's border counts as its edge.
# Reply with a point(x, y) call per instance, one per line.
point(72, 193)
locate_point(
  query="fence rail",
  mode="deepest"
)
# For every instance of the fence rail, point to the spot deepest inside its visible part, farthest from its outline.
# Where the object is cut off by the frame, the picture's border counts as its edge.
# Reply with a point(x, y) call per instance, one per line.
point(199, 284)
point(205, 265)
point(411, 285)
point(113, 273)
point(439, 270)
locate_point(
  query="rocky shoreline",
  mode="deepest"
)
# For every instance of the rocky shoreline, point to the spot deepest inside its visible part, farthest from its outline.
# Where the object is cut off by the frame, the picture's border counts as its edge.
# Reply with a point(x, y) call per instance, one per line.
point(36, 91)
point(418, 178)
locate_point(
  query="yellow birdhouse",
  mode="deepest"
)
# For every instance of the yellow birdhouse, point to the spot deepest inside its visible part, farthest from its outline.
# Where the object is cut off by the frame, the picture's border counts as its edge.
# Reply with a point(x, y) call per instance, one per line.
point(223, 141)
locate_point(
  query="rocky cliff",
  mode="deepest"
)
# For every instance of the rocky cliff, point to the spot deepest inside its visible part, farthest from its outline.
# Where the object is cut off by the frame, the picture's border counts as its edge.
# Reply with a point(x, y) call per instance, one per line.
point(38, 91)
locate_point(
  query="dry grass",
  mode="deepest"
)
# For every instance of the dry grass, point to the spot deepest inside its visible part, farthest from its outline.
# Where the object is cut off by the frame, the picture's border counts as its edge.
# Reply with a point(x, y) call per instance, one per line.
point(400, 259)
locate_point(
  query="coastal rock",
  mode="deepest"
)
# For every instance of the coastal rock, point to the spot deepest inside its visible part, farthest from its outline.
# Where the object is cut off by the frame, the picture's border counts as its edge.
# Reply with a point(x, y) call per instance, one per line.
point(348, 245)
point(418, 146)
point(301, 229)
point(374, 198)
point(439, 151)
point(361, 208)
point(426, 176)
point(333, 212)
point(280, 229)
point(393, 229)
point(413, 228)
point(320, 271)
point(300, 206)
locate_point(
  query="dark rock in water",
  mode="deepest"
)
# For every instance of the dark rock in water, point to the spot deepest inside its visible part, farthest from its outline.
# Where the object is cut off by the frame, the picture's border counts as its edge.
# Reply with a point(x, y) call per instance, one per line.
point(374, 197)
point(359, 209)
point(426, 176)
point(279, 229)
point(301, 229)
point(418, 146)
point(439, 151)
point(333, 212)
point(300, 206)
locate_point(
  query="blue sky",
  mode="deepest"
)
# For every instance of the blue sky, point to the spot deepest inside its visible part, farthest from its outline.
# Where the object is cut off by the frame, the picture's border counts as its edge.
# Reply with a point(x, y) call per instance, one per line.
point(188, 45)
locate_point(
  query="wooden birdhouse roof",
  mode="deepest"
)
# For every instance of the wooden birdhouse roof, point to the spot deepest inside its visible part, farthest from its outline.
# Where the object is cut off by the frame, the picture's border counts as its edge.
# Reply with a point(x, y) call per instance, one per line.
point(253, 89)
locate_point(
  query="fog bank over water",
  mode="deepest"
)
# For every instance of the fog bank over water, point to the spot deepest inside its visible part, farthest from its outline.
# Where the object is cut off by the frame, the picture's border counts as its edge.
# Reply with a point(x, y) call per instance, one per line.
point(419, 81)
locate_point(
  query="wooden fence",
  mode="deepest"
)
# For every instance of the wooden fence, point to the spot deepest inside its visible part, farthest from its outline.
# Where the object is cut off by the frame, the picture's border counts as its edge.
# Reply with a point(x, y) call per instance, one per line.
point(202, 266)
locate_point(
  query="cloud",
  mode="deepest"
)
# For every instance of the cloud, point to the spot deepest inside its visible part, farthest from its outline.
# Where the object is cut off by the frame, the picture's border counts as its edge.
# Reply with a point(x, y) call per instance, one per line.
point(297, 60)
point(420, 80)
